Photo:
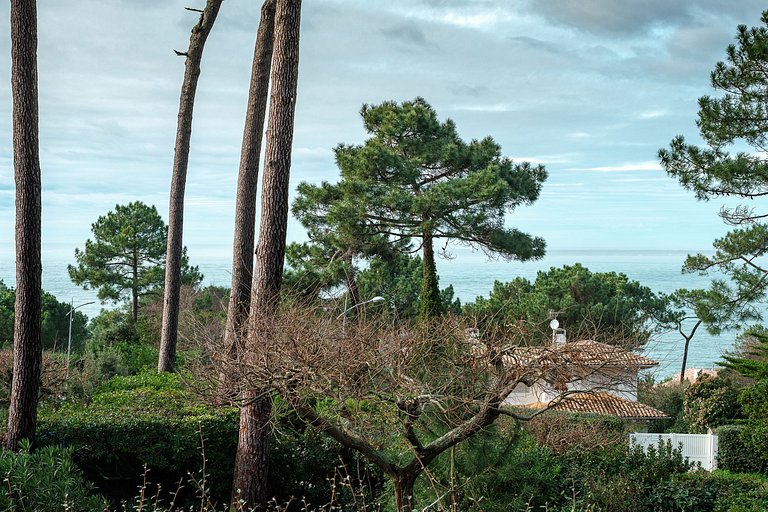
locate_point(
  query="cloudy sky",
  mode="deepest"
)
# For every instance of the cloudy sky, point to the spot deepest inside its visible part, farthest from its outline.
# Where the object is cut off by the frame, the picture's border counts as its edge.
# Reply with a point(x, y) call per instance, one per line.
point(592, 89)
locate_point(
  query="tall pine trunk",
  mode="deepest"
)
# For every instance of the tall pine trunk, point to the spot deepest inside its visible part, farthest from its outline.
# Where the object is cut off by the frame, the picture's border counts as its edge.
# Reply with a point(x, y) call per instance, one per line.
point(247, 181)
point(27, 342)
point(430, 292)
point(251, 463)
point(171, 296)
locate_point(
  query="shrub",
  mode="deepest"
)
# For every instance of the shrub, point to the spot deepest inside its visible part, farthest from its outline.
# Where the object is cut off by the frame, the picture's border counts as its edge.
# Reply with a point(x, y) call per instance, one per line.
point(710, 403)
point(44, 480)
point(562, 432)
point(668, 398)
point(624, 478)
point(145, 419)
point(754, 401)
point(734, 453)
point(155, 419)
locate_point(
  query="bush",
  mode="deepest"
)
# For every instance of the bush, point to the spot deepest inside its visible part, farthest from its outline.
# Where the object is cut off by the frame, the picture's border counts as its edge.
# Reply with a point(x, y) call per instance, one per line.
point(710, 403)
point(722, 491)
point(754, 401)
point(668, 398)
point(44, 480)
point(498, 470)
point(155, 419)
point(734, 453)
point(623, 478)
point(145, 419)
point(562, 432)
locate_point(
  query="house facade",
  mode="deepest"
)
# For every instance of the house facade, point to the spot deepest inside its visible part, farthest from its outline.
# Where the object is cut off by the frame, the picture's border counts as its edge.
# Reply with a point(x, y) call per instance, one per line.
point(580, 377)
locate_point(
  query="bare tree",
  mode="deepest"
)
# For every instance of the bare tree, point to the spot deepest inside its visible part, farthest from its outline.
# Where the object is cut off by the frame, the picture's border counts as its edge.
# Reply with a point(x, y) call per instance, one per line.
point(404, 395)
point(247, 181)
point(251, 462)
point(193, 57)
point(27, 343)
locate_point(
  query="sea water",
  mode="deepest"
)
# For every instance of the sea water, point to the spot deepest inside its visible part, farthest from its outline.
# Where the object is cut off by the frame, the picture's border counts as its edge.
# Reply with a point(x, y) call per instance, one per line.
point(472, 274)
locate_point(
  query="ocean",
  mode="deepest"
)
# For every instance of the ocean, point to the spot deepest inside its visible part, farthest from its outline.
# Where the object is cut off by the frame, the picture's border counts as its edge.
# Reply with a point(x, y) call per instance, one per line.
point(471, 275)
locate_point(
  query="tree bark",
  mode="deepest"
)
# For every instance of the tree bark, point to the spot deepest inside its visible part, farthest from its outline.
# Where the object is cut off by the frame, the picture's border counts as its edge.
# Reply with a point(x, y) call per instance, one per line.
point(171, 296)
point(253, 443)
point(135, 290)
point(403, 485)
point(430, 291)
point(247, 181)
point(27, 342)
point(687, 339)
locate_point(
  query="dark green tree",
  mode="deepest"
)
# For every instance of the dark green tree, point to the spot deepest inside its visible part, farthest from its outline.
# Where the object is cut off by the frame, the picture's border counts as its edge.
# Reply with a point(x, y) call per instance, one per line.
point(398, 280)
point(339, 239)
point(415, 181)
point(54, 321)
point(735, 119)
point(7, 304)
point(751, 358)
point(604, 306)
point(126, 257)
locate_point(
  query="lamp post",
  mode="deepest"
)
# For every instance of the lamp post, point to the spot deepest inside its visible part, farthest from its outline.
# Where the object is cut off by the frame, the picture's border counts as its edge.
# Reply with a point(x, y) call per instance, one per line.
point(376, 299)
point(71, 313)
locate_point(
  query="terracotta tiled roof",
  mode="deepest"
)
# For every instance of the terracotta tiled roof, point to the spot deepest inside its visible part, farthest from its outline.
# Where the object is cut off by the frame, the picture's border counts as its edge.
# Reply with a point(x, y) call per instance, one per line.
point(583, 353)
point(603, 403)
point(594, 353)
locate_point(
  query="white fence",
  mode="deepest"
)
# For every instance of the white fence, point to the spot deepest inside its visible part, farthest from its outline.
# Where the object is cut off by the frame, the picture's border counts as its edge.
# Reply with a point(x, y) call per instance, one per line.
point(701, 448)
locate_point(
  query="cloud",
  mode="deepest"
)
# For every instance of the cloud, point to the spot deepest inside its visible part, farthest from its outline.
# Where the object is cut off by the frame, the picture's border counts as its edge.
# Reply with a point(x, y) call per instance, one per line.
point(478, 20)
point(409, 33)
point(650, 165)
point(652, 114)
point(498, 107)
point(633, 18)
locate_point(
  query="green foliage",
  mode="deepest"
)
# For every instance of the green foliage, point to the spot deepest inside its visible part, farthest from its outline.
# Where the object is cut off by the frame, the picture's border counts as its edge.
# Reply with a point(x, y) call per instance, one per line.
point(710, 403)
point(500, 469)
point(7, 306)
point(720, 491)
point(604, 306)
point(415, 179)
point(751, 360)
point(734, 453)
point(668, 397)
point(148, 418)
point(54, 321)
point(44, 480)
point(733, 118)
point(126, 258)
point(156, 419)
point(626, 479)
point(399, 280)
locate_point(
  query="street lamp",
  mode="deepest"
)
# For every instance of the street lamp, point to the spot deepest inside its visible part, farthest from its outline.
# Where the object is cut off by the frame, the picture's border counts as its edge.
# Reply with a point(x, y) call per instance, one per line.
point(71, 313)
point(376, 299)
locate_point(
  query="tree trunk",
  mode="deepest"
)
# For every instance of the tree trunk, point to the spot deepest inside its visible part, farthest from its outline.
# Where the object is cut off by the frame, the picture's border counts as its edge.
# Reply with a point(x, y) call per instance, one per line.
point(247, 181)
point(171, 296)
point(352, 288)
point(135, 291)
point(253, 444)
point(430, 291)
point(403, 486)
point(27, 342)
point(687, 339)
point(252, 461)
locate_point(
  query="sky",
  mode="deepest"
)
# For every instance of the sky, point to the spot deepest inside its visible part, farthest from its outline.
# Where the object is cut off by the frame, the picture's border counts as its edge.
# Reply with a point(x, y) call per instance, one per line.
point(592, 89)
